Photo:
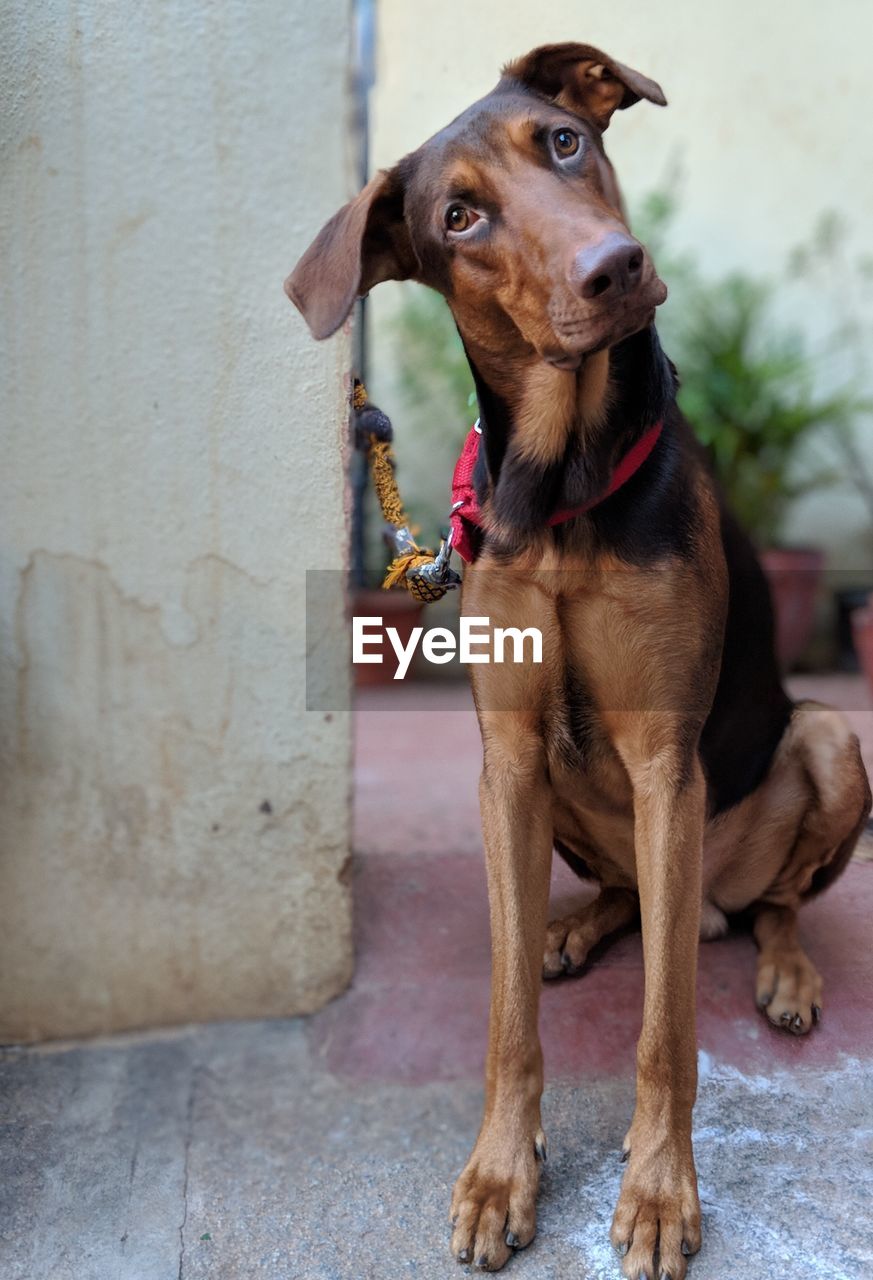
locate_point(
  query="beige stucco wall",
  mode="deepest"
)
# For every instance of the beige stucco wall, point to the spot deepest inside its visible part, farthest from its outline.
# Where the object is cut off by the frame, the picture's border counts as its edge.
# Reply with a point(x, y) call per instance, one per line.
point(172, 464)
point(767, 125)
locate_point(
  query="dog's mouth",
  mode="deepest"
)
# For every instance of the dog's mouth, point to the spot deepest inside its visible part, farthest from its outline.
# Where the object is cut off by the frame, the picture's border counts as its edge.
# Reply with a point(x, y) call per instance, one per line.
point(580, 334)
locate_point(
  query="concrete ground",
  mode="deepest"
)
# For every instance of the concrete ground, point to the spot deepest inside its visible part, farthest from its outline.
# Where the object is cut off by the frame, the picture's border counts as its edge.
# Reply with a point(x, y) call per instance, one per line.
point(326, 1147)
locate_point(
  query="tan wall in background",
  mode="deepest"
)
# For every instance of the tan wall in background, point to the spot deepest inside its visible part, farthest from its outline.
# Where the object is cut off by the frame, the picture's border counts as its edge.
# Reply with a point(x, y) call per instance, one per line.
point(172, 454)
point(767, 122)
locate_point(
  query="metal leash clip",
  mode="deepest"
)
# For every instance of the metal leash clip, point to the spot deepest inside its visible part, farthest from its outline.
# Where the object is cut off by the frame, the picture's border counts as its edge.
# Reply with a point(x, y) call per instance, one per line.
point(438, 573)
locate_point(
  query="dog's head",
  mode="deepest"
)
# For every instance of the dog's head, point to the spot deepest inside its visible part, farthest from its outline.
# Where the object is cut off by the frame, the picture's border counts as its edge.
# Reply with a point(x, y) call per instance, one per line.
point(512, 212)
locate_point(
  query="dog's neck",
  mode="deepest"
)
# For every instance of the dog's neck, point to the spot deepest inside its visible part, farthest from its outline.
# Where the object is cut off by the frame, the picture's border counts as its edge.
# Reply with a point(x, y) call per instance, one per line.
point(552, 438)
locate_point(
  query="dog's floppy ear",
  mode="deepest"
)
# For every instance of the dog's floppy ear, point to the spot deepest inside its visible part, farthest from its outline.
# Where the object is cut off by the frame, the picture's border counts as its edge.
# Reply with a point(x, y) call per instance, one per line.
point(584, 80)
point(365, 243)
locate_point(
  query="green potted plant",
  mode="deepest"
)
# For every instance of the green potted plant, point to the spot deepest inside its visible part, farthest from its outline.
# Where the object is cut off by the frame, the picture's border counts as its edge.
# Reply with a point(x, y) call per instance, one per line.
point(749, 388)
point(828, 263)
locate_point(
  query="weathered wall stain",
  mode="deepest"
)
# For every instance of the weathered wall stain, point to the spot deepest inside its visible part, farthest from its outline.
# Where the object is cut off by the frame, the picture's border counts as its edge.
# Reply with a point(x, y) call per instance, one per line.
point(139, 880)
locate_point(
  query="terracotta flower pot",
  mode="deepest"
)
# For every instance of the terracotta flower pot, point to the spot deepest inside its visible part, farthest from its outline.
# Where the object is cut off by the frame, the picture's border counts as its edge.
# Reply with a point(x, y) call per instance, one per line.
point(862, 634)
point(794, 575)
point(847, 601)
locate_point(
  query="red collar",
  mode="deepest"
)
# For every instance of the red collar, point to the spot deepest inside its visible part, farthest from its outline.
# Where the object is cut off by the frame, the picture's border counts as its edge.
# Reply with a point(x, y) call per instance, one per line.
point(465, 504)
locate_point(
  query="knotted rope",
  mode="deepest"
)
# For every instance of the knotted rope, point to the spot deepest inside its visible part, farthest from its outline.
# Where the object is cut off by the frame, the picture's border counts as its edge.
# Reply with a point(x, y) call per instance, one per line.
point(425, 575)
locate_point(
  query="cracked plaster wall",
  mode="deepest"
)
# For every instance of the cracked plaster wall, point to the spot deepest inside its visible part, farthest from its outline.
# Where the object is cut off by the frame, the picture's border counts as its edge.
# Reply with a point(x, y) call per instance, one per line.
point(172, 465)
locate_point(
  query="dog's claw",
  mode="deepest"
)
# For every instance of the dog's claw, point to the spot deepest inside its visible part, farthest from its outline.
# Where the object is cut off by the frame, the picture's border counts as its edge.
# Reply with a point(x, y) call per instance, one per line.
point(622, 1248)
point(785, 1019)
point(623, 1158)
point(797, 1024)
point(816, 1014)
point(482, 1261)
point(464, 1255)
point(540, 1148)
point(512, 1239)
point(686, 1249)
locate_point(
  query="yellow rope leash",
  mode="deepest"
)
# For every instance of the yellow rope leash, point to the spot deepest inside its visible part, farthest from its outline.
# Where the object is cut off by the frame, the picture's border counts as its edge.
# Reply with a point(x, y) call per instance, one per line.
point(427, 577)
point(382, 466)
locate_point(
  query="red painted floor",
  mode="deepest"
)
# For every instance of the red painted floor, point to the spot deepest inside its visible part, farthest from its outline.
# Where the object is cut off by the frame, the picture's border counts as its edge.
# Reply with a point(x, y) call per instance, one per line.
point(417, 1010)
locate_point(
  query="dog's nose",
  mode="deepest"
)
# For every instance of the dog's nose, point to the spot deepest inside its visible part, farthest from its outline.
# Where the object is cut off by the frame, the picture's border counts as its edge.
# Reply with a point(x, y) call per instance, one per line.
point(612, 265)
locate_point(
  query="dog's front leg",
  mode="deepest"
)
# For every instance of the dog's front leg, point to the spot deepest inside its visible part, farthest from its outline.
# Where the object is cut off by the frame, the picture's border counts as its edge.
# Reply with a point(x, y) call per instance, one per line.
point(659, 1192)
point(494, 1202)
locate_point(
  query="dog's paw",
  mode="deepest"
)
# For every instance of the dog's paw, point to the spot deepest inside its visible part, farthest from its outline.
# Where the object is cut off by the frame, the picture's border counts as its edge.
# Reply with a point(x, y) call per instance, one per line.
point(658, 1212)
point(494, 1201)
point(789, 991)
point(568, 942)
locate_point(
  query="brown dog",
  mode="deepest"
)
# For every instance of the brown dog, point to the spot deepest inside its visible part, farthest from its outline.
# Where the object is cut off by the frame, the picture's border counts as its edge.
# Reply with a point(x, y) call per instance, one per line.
point(654, 747)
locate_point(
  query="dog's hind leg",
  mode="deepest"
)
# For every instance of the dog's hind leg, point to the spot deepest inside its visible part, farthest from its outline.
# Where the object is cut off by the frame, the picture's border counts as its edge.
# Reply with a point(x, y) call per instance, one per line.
point(788, 984)
point(568, 941)
point(824, 753)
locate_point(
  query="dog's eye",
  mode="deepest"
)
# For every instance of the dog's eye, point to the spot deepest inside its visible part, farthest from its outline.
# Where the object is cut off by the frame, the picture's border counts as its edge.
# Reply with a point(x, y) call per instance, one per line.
point(459, 218)
point(566, 142)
